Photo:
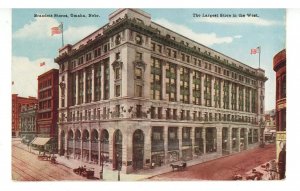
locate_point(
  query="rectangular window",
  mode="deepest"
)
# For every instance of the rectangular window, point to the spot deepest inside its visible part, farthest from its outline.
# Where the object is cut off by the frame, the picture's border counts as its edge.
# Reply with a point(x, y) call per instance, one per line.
point(118, 90)
point(117, 73)
point(138, 56)
point(138, 90)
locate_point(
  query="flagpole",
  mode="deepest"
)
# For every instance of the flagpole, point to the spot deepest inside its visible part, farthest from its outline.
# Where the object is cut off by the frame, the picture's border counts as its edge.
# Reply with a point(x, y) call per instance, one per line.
point(62, 34)
point(259, 57)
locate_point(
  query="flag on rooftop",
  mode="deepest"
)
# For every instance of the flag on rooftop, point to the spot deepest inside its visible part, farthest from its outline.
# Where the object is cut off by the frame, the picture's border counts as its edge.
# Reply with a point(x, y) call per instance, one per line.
point(255, 50)
point(57, 30)
point(42, 64)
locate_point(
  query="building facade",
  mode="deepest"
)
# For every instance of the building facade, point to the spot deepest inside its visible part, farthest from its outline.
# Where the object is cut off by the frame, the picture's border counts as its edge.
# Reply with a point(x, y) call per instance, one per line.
point(17, 104)
point(28, 128)
point(134, 93)
point(279, 66)
point(270, 126)
point(47, 104)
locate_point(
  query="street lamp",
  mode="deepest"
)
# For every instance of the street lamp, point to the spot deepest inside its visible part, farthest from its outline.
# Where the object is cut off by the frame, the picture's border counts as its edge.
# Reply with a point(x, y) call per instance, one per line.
point(119, 168)
point(101, 158)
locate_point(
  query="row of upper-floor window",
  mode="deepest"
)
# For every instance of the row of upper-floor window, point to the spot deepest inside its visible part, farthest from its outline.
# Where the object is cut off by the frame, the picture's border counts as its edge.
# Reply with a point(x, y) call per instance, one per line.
point(45, 105)
point(281, 87)
point(44, 115)
point(45, 94)
point(45, 83)
point(100, 50)
point(202, 64)
point(156, 113)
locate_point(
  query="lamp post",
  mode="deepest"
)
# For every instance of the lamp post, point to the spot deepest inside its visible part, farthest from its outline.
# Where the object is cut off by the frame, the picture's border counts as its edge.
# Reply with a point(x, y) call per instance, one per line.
point(102, 158)
point(119, 169)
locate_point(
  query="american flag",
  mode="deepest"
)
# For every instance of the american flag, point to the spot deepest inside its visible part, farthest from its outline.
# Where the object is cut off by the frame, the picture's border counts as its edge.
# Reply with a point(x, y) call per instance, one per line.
point(255, 50)
point(42, 64)
point(56, 30)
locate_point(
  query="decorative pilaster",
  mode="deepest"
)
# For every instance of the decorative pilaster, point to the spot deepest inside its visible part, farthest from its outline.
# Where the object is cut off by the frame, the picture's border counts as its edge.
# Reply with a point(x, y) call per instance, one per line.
point(165, 135)
point(219, 140)
point(204, 140)
point(93, 83)
point(229, 140)
point(238, 139)
point(163, 85)
point(180, 142)
point(191, 87)
point(178, 83)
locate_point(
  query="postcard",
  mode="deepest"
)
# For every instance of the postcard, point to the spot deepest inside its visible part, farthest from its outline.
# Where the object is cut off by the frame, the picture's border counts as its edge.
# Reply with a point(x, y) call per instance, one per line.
point(148, 94)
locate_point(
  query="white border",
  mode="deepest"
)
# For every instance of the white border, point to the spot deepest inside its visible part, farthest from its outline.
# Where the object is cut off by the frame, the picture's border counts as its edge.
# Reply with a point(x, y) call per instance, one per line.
point(293, 78)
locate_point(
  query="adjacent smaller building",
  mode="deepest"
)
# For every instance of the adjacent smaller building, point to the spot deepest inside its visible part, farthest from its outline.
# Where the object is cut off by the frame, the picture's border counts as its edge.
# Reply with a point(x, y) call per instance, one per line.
point(17, 104)
point(47, 107)
point(279, 66)
point(270, 126)
point(27, 125)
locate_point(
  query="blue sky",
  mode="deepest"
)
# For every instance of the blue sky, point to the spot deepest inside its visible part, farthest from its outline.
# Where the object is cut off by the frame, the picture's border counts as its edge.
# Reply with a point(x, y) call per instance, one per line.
point(32, 42)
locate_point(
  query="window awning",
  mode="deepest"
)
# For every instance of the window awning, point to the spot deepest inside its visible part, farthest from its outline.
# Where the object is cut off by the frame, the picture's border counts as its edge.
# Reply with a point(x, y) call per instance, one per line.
point(40, 141)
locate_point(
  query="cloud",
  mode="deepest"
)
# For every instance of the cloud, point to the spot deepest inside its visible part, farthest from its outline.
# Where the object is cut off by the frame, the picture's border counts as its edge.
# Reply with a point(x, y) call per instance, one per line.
point(237, 21)
point(40, 28)
point(207, 39)
point(74, 34)
point(25, 73)
point(238, 36)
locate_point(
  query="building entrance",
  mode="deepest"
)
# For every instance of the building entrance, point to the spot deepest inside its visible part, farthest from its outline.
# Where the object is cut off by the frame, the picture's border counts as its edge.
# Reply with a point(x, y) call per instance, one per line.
point(138, 150)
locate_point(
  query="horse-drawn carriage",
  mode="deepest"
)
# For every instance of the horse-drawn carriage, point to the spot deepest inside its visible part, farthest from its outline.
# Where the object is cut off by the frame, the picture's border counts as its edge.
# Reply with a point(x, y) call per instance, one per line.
point(85, 172)
point(180, 166)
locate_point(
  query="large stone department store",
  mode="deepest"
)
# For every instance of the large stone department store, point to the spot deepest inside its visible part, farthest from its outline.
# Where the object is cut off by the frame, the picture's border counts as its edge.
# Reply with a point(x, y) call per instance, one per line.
point(135, 93)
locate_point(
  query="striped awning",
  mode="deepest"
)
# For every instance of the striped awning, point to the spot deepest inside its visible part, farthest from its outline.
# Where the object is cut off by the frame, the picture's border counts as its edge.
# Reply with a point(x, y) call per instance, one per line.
point(40, 141)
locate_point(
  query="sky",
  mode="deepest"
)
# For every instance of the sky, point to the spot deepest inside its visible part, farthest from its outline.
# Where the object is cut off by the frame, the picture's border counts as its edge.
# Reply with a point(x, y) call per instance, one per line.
point(32, 42)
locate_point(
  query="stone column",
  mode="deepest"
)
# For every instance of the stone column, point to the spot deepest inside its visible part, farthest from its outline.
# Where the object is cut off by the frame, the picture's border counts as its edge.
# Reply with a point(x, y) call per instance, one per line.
point(66, 143)
point(90, 150)
point(180, 142)
point(74, 147)
point(178, 83)
point(84, 86)
point(102, 81)
point(165, 135)
point(77, 89)
point(237, 97)
point(244, 98)
point(219, 140)
point(204, 140)
point(229, 140)
point(81, 149)
point(99, 148)
point(148, 143)
point(222, 93)
point(252, 135)
point(193, 140)
point(163, 81)
point(93, 83)
point(202, 88)
point(238, 139)
point(229, 94)
point(246, 138)
point(250, 99)
point(191, 87)
point(213, 81)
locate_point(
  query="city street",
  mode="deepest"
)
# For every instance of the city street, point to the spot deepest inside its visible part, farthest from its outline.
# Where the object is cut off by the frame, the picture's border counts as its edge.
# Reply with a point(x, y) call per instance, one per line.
point(224, 168)
point(27, 167)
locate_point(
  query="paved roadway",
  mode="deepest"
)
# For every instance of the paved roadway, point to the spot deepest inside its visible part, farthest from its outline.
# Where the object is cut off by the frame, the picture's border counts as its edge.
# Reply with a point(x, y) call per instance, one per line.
point(26, 167)
point(223, 168)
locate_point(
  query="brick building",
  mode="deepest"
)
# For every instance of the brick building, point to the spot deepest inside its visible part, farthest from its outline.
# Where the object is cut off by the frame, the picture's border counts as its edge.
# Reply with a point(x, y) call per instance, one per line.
point(47, 104)
point(134, 93)
point(279, 66)
point(17, 104)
